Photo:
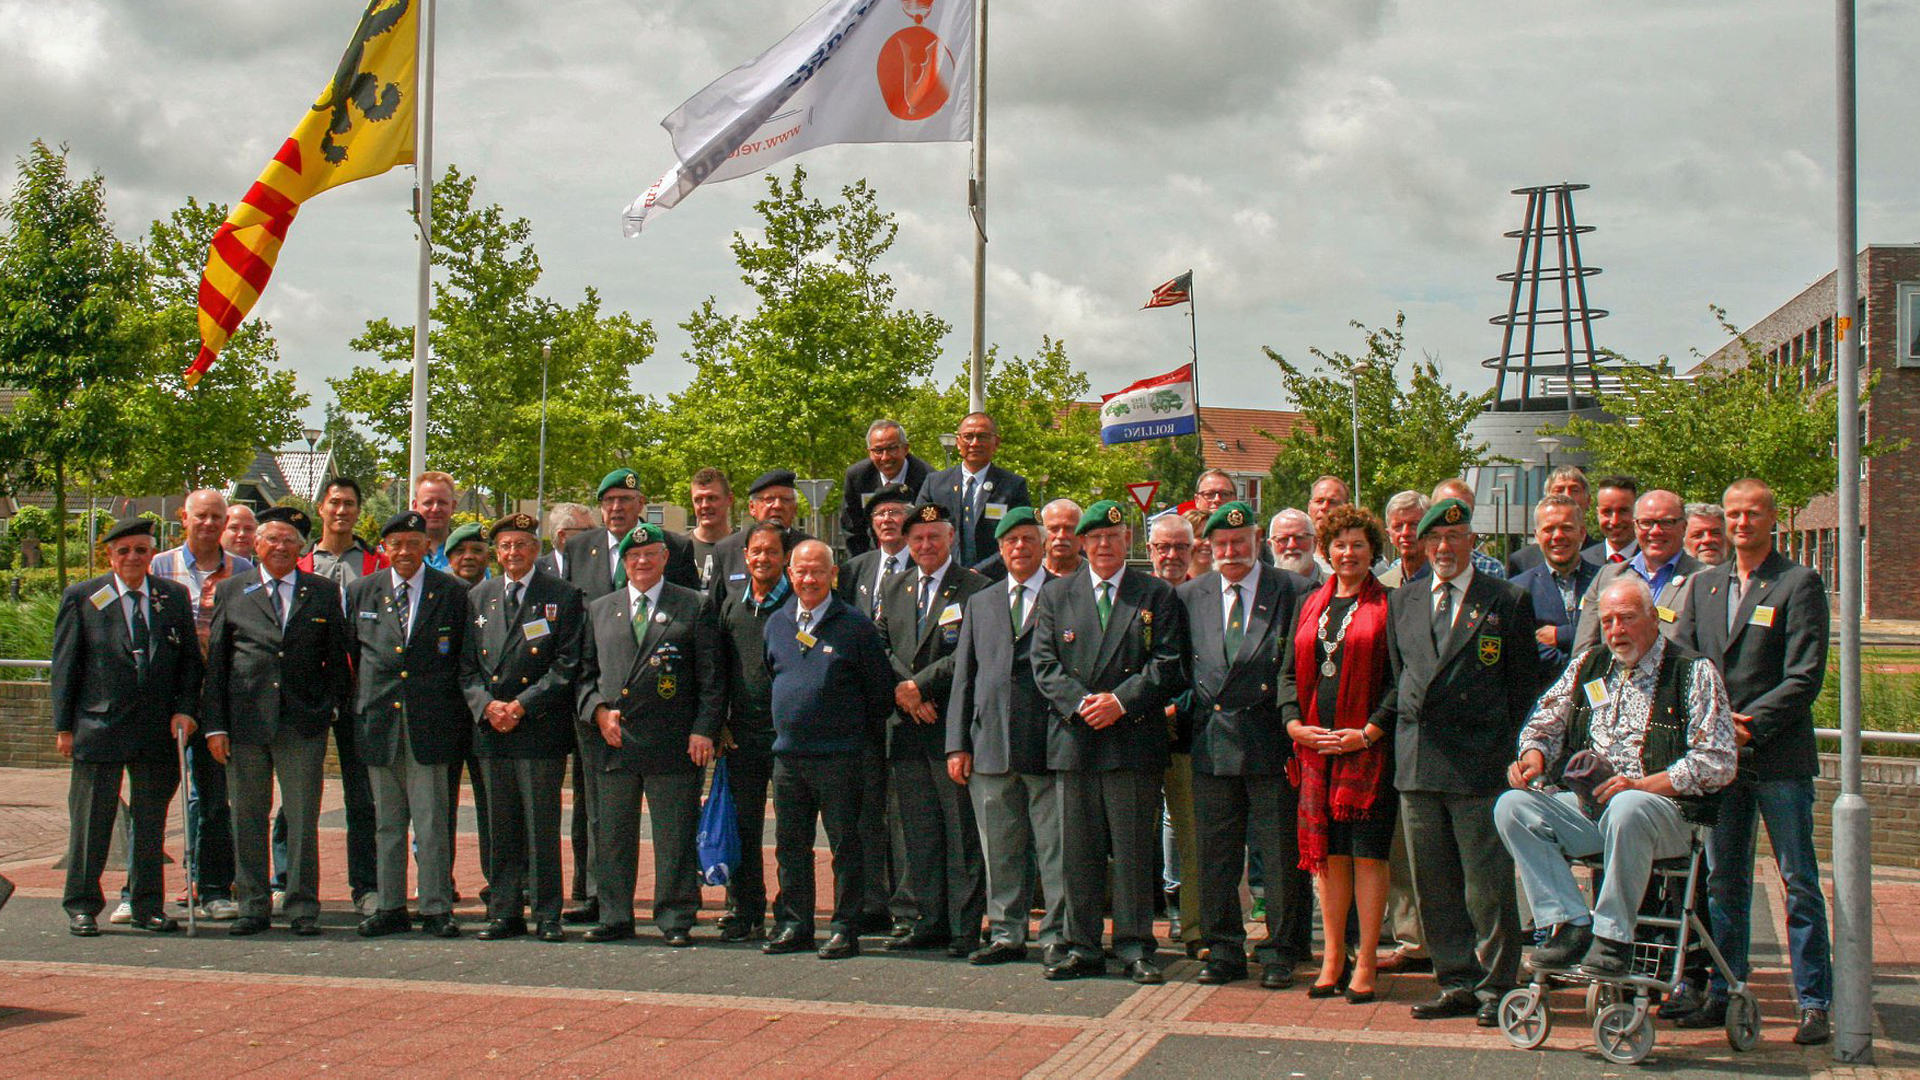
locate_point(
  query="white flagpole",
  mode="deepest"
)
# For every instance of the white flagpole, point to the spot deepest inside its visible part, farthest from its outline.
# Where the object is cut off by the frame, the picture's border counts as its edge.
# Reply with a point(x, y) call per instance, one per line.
point(977, 192)
point(423, 211)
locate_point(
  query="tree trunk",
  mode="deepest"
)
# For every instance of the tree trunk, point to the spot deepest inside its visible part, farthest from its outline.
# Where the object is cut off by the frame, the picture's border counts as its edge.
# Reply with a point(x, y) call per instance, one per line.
point(60, 520)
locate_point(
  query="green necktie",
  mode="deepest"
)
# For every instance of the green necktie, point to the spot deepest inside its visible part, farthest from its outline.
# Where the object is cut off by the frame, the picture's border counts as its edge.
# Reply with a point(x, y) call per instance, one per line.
point(619, 565)
point(640, 619)
point(1019, 608)
point(1104, 604)
point(1236, 624)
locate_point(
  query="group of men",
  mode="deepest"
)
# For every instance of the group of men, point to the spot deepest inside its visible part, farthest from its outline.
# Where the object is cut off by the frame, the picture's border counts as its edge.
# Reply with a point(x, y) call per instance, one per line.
point(986, 708)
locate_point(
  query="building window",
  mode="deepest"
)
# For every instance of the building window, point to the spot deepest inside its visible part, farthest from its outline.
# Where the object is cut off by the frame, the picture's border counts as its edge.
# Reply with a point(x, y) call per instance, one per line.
point(657, 515)
point(1908, 354)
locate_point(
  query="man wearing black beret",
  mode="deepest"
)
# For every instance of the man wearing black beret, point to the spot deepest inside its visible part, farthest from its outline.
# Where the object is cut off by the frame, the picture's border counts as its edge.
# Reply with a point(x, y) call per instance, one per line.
point(772, 497)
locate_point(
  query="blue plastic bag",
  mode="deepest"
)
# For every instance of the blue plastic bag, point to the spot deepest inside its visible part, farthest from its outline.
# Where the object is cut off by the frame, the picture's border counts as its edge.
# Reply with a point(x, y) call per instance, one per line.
point(719, 839)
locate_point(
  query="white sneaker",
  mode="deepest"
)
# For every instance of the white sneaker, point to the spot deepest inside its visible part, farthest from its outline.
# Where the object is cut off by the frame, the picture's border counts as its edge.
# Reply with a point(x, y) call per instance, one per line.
point(279, 901)
point(367, 903)
point(220, 911)
point(122, 915)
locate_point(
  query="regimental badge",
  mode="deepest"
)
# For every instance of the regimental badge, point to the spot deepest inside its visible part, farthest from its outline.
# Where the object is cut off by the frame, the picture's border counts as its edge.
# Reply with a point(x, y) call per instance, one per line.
point(1067, 635)
point(1146, 634)
point(653, 661)
point(929, 512)
point(1113, 515)
point(631, 481)
point(446, 645)
point(660, 617)
point(1454, 516)
point(1236, 518)
point(1489, 650)
point(666, 685)
point(553, 612)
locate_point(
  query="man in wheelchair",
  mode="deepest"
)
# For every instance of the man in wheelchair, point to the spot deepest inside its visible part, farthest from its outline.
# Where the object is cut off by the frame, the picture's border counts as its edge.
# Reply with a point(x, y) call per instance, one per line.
point(1639, 734)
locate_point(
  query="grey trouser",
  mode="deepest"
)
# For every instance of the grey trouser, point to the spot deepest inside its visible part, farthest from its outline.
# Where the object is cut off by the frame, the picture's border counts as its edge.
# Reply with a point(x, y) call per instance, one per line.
point(1463, 877)
point(296, 761)
point(1019, 819)
point(1403, 908)
point(523, 807)
point(1544, 831)
point(1117, 810)
point(409, 793)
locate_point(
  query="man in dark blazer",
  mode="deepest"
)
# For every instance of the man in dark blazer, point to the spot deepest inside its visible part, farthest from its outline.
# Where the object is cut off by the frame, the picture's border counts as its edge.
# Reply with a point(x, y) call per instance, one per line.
point(650, 684)
point(1658, 558)
point(1239, 619)
point(564, 522)
point(921, 615)
point(520, 668)
point(888, 462)
point(278, 674)
point(408, 626)
point(771, 497)
point(125, 686)
point(1556, 582)
point(996, 742)
point(864, 577)
point(1465, 664)
point(1568, 482)
point(1763, 621)
point(1108, 652)
point(977, 493)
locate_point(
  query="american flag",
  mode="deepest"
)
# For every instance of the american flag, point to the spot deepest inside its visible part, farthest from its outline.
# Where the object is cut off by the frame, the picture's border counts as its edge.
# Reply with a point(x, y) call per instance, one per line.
point(1177, 291)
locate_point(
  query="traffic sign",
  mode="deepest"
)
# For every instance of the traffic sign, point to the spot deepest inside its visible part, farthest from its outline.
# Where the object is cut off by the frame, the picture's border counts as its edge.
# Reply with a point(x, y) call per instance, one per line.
point(1142, 494)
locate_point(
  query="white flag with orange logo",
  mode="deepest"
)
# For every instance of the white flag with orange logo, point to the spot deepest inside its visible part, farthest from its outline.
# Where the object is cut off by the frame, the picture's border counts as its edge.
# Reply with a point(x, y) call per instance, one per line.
point(857, 71)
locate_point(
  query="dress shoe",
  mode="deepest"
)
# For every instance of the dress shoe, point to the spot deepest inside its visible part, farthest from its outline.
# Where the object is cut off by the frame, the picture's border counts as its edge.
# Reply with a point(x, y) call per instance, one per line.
point(441, 926)
point(1198, 950)
point(247, 926)
point(962, 947)
point(1564, 948)
point(1685, 998)
point(1814, 1028)
point(551, 930)
point(380, 923)
point(999, 952)
point(1608, 959)
point(1219, 973)
point(1276, 976)
point(82, 926)
point(678, 939)
point(918, 939)
point(742, 930)
point(840, 947)
point(1712, 1013)
point(1076, 967)
point(1488, 1015)
point(1360, 997)
point(787, 941)
point(155, 923)
point(583, 915)
point(1053, 954)
point(305, 926)
point(501, 929)
point(1450, 1004)
point(900, 928)
point(610, 932)
point(1398, 962)
point(1145, 972)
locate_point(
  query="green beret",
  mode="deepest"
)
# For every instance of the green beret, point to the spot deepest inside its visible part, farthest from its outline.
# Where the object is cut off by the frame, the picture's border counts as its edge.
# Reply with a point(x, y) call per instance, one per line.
point(525, 523)
point(465, 533)
point(619, 478)
point(1234, 515)
point(1104, 514)
point(1013, 519)
point(644, 533)
point(1446, 512)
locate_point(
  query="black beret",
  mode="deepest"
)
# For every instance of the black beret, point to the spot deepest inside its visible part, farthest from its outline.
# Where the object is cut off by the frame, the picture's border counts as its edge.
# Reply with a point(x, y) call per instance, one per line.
point(291, 515)
point(927, 513)
point(889, 493)
point(526, 523)
point(404, 521)
point(131, 527)
point(774, 478)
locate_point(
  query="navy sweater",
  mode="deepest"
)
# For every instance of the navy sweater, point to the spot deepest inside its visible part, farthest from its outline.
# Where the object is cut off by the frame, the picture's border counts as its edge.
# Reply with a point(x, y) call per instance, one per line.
point(832, 696)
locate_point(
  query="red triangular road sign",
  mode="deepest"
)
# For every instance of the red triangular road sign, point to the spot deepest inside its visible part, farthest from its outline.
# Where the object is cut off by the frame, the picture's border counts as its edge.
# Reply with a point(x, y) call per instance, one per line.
point(1142, 494)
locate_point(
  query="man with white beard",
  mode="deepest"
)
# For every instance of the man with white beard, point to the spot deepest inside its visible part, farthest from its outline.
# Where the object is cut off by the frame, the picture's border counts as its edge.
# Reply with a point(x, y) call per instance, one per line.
point(1290, 536)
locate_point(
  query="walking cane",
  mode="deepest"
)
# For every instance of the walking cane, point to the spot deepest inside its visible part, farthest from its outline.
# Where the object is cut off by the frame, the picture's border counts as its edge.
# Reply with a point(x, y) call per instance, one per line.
point(186, 834)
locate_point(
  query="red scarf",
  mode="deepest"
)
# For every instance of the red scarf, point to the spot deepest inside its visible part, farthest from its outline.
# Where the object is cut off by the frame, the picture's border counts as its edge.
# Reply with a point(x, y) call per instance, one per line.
point(1341, 787)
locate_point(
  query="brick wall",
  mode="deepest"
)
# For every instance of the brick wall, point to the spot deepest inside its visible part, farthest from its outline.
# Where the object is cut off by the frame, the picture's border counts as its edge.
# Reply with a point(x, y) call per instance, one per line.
point(26, 726)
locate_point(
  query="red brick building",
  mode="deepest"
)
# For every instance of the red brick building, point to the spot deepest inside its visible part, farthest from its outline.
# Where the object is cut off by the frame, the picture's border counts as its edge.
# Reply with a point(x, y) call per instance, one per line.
point(1801, 332)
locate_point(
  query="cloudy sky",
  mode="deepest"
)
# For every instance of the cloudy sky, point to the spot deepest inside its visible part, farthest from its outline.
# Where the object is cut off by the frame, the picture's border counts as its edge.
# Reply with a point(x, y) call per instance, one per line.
point(1314, 161)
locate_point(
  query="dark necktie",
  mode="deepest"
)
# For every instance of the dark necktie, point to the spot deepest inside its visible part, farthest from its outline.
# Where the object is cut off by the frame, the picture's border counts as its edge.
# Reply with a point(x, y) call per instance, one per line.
point(402, 602)
point(514, 589)
point(273, 601)
point(926, 601)
point(1443, 616)
point(966, 521)
point(1733, 601)
point(1236, 624)
point(142, 635)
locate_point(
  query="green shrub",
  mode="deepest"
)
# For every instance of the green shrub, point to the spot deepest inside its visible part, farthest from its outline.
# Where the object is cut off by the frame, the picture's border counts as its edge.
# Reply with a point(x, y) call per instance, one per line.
point(26, 633)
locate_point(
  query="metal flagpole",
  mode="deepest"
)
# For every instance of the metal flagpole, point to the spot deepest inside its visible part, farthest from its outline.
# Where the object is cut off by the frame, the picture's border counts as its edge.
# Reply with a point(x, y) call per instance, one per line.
point(1852, 857)
point(1193, 332)
point(423, 212)
point(977, 200)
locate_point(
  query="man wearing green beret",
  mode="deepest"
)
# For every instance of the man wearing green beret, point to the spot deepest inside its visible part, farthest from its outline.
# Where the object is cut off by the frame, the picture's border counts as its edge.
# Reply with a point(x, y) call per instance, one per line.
point(1463, 655)
point(1109, 652)
point(467, 554)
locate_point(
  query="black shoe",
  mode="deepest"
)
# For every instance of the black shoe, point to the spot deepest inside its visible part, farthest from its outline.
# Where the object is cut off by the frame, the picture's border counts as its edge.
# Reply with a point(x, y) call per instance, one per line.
point(1450, 1004)
point(441, 926)
point(1076, 967)
point(962, 947)
point(1198, 950)
point(999, 952)
point(1814, 1028)
point(155, 923)
point(381, 923)
point(1276, 976)
point(247, 926)
point(840, 947)
point(1324, 990)
point(83, 926)
point(1360, 997)
point(1608, 959)
point(1711, 1014)
point(678, 939)
point(610, 932)
point(551, 930)
point(1686, 998)
point(1054, 954)
point(741, 930)
point(586, 914)
point(1564, 948)
point(787, 941)
point(1489, 1013)
point(917, 940)
point(306, 926)
point(1145, 972)
point(1219, 973)
point(501, 929)
point(900, 928)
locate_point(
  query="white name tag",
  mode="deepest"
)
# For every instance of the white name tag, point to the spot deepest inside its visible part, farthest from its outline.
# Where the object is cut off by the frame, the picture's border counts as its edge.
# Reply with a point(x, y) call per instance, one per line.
point(996, 511)
point(1762, 616)
point(102, 598)
point(1596, 693)
point(535, 630)
point(951, 615)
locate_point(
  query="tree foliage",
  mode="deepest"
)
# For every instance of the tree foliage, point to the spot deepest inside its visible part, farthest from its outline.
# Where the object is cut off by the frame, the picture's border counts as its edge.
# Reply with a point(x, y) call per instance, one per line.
point(1413, 431)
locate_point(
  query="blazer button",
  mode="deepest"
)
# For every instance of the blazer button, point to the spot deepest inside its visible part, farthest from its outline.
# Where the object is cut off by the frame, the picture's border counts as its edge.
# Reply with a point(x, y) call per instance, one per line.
point(281, 655)
point(396, 704)
point(523, 680)
point(397, 648)
point(496, 678)
point(1216, 708)
point(403, 674)
point(276, 686)
point(623, 691)
point(536, 650)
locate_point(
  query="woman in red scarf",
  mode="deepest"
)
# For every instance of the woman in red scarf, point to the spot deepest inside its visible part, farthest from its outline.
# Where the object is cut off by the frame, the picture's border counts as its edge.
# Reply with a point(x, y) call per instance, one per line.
point(1341, 763)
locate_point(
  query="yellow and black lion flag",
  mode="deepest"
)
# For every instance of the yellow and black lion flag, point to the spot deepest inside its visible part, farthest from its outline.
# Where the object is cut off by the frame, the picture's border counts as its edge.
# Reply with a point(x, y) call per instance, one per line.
point(361, 126)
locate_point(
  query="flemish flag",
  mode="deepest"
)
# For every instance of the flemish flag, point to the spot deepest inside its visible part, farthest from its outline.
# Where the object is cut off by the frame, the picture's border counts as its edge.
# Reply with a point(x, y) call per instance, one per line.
point(361, 126)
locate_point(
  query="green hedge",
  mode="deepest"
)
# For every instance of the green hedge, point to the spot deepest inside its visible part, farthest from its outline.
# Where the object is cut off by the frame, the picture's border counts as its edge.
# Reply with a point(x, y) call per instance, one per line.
point(26, 633)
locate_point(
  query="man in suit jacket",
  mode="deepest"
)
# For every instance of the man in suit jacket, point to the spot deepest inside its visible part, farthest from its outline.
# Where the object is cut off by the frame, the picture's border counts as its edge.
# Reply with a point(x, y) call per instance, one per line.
point(1465, 666)
point(1108, 653)
point(408, 627)
point(997, 747)
point(650, 684)
point(888, 463)
point(771, 497)
point(1658, 558)
point(1613, 508)
point(278, 674)
point(1239, 618)
point(564, 522)
point(865, 576)
point(977, 493)
point(519, 669)
point(1570, 482)
point(1762, 619)
point(920, 616)
point(1557, 582)
point(125, 684)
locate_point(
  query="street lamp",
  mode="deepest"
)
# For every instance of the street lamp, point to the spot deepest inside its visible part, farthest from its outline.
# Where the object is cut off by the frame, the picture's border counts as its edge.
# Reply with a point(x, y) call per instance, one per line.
point(540, 488)
point(949, 440)
point(1359, 368)
point(1548, 444)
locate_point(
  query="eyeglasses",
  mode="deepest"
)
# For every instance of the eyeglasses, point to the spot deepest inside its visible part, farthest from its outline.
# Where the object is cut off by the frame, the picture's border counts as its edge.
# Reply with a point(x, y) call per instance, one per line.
point(1660, 523)
point(1165, 548)
point(974, 436)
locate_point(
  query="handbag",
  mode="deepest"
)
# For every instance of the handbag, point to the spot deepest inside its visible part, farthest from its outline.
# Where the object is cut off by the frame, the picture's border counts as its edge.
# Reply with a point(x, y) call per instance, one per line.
point(718, 843)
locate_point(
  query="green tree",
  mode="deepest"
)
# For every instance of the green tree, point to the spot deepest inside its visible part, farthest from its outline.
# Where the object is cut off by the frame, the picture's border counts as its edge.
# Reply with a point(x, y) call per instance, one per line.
point(484, 388)
point(182, 439)
point(795, 382)
point(1174, 464)
point(353, 455)
point(71, 340)
point(1413, 431)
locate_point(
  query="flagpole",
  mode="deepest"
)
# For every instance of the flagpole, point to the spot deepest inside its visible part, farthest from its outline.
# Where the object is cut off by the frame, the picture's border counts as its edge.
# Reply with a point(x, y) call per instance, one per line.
point(423, 211)
point(977, 196)
point(1193, 329)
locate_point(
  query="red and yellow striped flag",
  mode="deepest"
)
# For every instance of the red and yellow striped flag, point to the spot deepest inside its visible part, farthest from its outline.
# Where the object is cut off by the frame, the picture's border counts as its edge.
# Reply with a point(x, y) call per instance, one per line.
point(361, 126)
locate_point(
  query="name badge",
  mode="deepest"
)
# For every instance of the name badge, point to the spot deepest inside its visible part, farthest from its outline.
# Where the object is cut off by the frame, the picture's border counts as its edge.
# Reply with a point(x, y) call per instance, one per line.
point(806, 640)
point(1596, 693)
point(951, 615)
point(370, 615)
point(1762, 616)
point(102, 598)
point(535, 630)
point(1666, 614)
point(996, 511)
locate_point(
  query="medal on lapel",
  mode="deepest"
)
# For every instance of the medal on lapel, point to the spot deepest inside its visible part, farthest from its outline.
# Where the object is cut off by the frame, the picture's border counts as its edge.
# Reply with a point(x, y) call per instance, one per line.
point(666, 685)
point(553, 612)
point(1067, 635)
point(1489, 650)
point(1146, 631)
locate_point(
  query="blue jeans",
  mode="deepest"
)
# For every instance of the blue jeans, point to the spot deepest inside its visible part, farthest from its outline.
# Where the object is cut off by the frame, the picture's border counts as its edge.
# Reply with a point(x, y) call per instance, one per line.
point(1787, 808)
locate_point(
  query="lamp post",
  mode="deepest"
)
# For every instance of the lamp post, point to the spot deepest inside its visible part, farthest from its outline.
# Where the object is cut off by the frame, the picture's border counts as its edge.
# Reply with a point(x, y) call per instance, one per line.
point(1359, 368)
point(949, 440)
point(540, 486)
